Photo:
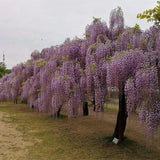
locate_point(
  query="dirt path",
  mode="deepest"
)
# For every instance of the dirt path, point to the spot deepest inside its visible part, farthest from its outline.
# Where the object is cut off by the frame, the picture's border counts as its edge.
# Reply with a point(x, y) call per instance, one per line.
point(12, 145)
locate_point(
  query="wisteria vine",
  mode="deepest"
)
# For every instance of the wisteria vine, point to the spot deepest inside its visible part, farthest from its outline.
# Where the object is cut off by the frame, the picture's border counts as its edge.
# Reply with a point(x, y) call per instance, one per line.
point(80, 70)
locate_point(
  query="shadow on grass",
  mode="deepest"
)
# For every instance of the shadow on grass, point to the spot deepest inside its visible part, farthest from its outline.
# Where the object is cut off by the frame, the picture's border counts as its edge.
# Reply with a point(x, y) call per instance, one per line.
point(129, 147)
point(126, 143)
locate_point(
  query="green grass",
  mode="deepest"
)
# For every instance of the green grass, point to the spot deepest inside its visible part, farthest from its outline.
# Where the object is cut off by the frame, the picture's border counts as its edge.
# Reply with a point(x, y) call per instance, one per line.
point(83, 138)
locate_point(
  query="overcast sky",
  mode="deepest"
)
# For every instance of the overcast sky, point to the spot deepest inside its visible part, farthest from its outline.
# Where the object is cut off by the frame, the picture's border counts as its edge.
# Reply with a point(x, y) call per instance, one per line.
point(26, 25)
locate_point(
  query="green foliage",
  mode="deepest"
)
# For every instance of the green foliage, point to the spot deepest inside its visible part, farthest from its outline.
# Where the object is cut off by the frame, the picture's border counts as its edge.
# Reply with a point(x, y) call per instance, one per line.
point(39, 90)
point(23, 83)
point(94, 47)
point(8, 71)
point(130, 46)
point(93, 66)
point(87, 36)
point(71, 91)
point(66, 77)
point(119, 36)
point(152, 15)
point(81, 70)
point(57, 68)
point(100, 35)
point(42, 64)
point(136, 28)
point(113, 49)
point(109, 58)
point(143, 44)
point(65, 58)
point(3, 70)
point(29, 60)
point(95, 20)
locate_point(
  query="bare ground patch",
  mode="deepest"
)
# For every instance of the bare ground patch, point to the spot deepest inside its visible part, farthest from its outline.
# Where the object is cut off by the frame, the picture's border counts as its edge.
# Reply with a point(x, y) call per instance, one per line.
point(12, 144)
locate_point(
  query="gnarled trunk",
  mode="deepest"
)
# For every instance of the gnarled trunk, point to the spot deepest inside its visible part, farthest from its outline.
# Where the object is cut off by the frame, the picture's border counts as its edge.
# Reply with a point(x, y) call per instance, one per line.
point(121, 117)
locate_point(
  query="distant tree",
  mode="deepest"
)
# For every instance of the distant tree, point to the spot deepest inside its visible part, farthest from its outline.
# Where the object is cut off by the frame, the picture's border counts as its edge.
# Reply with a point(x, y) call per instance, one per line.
point(151, 14)
point(8, 71)
point(2, 69)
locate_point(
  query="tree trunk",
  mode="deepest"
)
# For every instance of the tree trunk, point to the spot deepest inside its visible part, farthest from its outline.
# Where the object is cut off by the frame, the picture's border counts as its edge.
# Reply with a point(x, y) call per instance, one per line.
point(102, 107)
point(59, 110)
point(94, 107)
point(75, 112)
point(15, 100)
point(85, 108)
point(121, 117)
point(158, 72)
point(24, 101)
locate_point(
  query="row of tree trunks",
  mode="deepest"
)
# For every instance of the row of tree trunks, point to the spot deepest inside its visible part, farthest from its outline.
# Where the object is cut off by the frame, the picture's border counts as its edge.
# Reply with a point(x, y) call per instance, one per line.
point(85, 110)
point(75, 113)
point(121, 117)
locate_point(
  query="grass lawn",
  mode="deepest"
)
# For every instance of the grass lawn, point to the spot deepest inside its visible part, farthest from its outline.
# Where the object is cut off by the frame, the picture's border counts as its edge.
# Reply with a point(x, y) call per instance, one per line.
point(81, 138)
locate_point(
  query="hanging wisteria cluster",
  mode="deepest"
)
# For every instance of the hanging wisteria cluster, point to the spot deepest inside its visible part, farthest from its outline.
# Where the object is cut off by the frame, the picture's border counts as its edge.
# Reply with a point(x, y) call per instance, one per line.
point(80, 70)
